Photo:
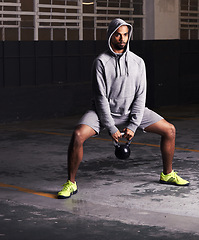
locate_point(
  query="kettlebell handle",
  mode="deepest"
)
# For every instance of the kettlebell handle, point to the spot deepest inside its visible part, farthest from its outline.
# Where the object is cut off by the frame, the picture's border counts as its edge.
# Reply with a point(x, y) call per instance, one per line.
point(117, 143)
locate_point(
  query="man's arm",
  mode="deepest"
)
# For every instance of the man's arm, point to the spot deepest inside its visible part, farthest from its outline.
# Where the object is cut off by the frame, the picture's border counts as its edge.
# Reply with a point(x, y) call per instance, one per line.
point(100, 97)
point(138, 105)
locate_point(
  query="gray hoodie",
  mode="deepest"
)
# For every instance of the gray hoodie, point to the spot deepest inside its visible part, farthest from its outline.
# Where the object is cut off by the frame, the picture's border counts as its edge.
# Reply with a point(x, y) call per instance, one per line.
point(119, 84)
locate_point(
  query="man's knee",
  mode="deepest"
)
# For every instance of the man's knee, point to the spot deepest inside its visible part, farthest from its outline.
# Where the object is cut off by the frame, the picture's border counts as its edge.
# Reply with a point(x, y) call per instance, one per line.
point(82, 133)
point(78, 137)
point(170, 131)
point(162, 128)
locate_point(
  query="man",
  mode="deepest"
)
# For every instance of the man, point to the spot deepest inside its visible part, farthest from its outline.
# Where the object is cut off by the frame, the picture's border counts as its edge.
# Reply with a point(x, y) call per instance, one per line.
point(119, 94)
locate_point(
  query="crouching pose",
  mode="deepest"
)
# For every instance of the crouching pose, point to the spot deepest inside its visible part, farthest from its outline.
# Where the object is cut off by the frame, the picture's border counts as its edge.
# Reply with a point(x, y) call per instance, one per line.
point(119, 94)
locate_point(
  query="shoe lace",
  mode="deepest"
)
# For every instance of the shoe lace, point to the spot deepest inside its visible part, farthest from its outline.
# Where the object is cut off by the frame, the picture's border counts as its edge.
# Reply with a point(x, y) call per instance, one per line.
point(66, 185)
point(178, 178)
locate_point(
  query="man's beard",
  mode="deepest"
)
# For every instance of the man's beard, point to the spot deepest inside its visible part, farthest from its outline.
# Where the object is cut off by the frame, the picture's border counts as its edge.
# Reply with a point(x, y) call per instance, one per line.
point(120, 46)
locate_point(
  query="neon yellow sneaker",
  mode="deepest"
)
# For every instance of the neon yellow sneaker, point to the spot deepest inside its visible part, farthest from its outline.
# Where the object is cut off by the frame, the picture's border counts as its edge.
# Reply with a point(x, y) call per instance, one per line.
point(173, 178)
point(69, 189)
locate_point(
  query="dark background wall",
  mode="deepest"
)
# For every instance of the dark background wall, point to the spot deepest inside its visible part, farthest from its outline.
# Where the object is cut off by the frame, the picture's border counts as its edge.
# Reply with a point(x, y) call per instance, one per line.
point(52, 79)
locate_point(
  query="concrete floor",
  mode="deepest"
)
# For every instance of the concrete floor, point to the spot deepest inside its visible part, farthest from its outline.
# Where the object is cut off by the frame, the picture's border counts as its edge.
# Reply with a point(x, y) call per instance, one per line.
point(117, 199)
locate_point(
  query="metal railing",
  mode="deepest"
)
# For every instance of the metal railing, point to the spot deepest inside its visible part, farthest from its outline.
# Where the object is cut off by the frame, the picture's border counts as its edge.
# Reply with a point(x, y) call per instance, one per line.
point(65, 15)
point(189, 17)
point(51, 16)
point(10, 16)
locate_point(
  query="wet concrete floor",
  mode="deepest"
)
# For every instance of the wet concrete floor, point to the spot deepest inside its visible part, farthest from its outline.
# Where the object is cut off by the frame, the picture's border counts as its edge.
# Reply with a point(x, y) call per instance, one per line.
point(117, 199)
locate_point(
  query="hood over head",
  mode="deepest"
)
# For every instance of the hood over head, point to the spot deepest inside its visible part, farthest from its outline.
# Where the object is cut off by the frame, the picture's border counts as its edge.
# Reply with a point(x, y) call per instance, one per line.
point(113, 26)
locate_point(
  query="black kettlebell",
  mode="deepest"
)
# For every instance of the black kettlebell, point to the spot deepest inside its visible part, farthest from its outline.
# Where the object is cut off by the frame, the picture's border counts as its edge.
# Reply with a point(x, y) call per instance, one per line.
point(122, 151)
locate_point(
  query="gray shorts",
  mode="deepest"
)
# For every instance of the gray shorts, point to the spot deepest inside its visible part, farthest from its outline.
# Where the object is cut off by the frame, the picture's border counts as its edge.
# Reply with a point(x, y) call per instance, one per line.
point(91, 119)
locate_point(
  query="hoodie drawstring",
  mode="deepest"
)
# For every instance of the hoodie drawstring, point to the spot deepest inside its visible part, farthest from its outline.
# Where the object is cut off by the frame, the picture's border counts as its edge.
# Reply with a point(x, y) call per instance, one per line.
point(126, 64)
point(118, 66)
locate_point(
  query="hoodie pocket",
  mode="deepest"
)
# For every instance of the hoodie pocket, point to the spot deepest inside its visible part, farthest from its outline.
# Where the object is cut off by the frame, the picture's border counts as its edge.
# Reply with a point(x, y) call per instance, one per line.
point(122, 88)
point(121, 106)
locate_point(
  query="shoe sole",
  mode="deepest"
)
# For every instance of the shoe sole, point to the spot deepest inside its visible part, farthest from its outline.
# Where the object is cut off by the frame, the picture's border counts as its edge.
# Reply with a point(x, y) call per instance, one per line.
point(64, 197)
point(173, 183)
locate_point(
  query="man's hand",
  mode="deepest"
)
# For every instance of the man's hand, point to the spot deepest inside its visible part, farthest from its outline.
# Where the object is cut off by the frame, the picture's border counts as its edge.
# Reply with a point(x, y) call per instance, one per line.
point(117, 135)
point(128, 134)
